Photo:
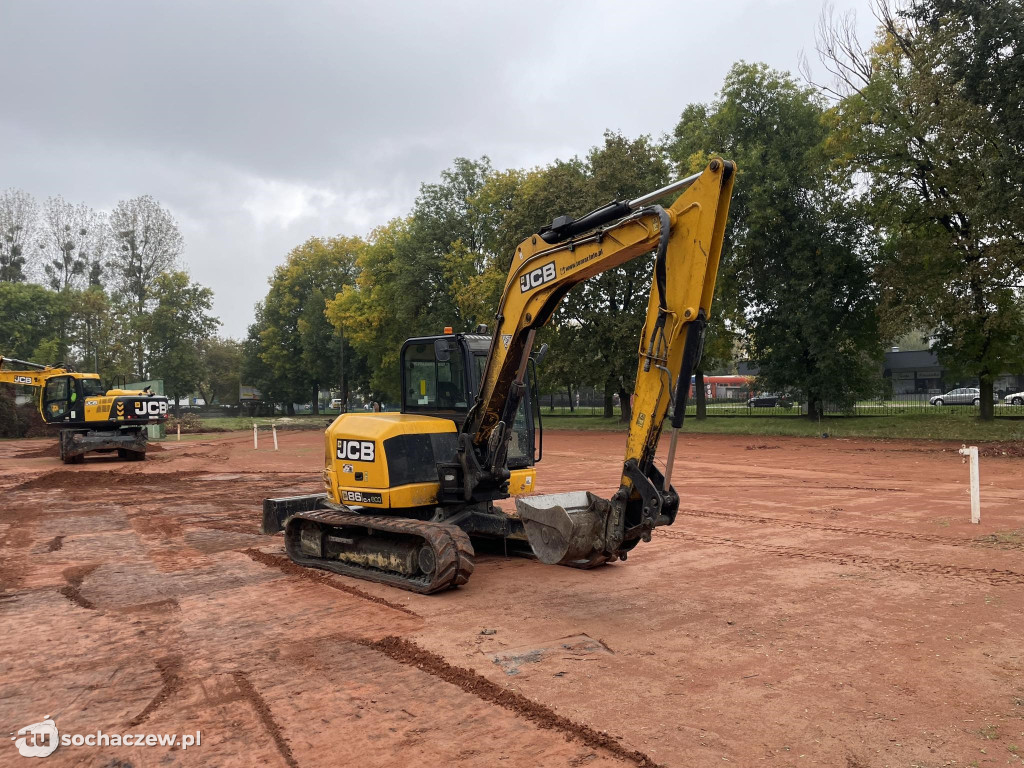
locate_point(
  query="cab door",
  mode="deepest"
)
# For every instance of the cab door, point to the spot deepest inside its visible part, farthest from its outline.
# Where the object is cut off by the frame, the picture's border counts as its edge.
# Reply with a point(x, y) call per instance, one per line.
point(57, 399)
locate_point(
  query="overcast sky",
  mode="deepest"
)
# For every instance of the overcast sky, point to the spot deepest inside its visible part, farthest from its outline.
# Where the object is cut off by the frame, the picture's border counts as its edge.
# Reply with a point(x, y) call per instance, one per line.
point(260, 124)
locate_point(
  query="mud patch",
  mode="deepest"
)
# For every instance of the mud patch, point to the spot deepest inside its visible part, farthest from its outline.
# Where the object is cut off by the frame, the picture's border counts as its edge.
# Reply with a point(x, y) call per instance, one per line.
point(104, 478)
point(74, 577)
point(407, 652)
point(320, 577)
point(577, 648)
point(263, 712)
point(762, 447)
point(55, 544)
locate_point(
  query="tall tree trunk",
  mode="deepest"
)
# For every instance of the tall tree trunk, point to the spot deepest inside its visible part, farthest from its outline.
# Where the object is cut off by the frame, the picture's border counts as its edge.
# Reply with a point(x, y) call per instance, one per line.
point(316, 398)
point(568, 391)
point(814, 406)
point(177, 408)
point(987, 408)
point(700, 394)
point(609, 403)
point(625, 407)
point(551, 401)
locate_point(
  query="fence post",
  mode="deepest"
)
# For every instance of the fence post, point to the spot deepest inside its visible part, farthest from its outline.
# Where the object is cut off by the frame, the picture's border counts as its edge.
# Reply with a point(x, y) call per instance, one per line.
point(255, 439)
point(273, 428)
point(971, 454)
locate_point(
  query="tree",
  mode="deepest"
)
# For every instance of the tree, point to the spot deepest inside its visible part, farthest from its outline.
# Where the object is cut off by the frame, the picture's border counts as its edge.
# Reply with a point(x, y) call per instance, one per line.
point(27, 327)
point(296, 340)
point(930, 115)
point(221, 372)
point(71, 242)
point(18, 216)
point(178, 331)
point(146, 243)
point(796, 268)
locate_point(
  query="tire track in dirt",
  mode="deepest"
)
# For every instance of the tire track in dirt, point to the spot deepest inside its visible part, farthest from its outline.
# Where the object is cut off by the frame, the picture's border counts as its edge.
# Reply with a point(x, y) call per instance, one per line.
point(407, 652)
point(251, 695)
point(170, 675)
point(930, 538)
point(993, 576)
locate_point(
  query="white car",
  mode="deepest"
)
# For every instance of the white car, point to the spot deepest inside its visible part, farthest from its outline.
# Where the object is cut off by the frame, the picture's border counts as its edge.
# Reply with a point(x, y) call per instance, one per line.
point(1017, 398)
point(961, 396)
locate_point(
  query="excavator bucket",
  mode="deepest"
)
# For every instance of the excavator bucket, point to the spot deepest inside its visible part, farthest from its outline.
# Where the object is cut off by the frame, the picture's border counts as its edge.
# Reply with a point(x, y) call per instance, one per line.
point(565, 528)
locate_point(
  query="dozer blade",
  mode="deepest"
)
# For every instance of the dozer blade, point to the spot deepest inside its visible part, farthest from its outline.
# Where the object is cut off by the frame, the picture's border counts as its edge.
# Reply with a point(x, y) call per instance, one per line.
point(566, 528)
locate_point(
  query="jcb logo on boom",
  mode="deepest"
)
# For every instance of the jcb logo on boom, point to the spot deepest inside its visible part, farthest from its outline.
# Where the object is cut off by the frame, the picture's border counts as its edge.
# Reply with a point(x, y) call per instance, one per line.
point(537, 277)
point(149, 408)
point(356, 450)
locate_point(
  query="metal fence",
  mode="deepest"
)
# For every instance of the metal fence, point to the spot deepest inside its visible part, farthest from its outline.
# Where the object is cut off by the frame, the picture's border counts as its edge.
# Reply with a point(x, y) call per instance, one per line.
point(591, 403)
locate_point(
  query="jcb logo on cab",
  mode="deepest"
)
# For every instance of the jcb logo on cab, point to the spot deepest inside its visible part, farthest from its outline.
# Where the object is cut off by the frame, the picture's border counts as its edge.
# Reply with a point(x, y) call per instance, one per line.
point(356, 450)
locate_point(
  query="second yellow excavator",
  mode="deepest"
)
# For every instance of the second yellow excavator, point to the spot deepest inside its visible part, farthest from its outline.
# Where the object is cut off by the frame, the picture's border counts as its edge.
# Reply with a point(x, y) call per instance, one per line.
point(407, 494)
point(90, 417)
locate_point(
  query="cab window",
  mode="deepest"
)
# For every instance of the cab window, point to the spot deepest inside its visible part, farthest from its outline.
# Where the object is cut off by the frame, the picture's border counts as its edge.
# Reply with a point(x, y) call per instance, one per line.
point(92, 388)
point(432, 384)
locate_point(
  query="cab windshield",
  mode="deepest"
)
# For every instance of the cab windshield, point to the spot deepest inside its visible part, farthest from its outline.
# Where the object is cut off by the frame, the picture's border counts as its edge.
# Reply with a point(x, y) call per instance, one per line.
point(92, 388)
point(432, 384)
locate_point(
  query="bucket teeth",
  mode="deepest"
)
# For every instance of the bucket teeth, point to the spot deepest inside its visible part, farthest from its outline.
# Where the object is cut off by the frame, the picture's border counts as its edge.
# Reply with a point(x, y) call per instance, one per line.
point(565, 528)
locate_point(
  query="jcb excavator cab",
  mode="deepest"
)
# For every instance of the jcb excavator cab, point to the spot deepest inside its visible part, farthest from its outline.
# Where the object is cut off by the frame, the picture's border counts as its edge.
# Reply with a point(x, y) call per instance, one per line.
point(441, 378)
point(64, 397)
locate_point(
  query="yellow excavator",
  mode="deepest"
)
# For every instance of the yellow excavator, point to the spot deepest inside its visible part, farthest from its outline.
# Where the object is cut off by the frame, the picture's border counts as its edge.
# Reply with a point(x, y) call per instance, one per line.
point(89, 416)
point(407, 495)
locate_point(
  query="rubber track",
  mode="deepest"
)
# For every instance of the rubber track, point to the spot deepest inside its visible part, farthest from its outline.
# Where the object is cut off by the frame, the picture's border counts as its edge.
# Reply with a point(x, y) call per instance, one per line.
point(452, 548)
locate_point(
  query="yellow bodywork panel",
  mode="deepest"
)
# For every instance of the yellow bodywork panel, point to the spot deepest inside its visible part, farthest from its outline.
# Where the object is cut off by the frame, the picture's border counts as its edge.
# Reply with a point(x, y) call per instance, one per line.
point(360, 471)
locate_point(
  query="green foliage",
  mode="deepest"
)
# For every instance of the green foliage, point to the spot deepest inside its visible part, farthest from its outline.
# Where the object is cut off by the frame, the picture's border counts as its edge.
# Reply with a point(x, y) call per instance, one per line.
point(28, 322)
point(177, 332)
point(932, 119)
point(221, 372)
point(795, 272)
point(293, 337)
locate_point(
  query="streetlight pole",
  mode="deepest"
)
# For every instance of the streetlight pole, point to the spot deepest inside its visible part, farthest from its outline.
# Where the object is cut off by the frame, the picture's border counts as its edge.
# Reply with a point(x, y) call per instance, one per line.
point(341, 360)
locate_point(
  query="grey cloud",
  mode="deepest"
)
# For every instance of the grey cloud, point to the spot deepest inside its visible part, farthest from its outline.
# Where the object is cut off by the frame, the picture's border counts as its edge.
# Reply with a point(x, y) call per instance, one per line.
point(260, 124)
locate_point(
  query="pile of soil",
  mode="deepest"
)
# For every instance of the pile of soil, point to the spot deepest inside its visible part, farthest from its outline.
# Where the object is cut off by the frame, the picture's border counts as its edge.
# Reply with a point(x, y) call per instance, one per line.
point(1013, 448)
point(19, 420)
point(190, 424)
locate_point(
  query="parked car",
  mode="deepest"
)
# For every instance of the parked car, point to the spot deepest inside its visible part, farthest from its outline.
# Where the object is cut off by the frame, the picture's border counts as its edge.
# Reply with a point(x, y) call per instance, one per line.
point(1017, 398)
point(334, 405)
point(960, 396)
point(770, 400)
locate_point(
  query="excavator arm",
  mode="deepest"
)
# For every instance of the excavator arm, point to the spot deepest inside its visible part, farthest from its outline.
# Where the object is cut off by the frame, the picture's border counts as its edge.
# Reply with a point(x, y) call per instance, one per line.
point(687, 241)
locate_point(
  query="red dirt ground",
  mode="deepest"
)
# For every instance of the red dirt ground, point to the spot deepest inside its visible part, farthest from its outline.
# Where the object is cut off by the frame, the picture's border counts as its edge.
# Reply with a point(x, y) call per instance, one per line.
point(817, 602)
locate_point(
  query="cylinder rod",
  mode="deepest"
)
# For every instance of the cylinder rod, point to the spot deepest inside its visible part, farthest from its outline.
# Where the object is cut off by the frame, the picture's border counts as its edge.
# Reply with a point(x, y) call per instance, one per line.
point(675, 186)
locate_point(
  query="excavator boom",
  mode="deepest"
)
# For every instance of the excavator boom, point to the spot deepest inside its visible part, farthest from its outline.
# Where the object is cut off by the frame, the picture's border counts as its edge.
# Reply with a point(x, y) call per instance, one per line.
point(687, 241)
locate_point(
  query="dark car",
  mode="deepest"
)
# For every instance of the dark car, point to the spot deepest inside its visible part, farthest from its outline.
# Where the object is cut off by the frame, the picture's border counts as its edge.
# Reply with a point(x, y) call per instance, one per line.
point(770, 400)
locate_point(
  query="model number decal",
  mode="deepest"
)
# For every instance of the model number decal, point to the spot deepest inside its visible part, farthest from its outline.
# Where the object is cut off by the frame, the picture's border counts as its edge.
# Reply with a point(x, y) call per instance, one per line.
point(22, 379)
point(537, 277)
point(365, 498)
point(356, 450)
